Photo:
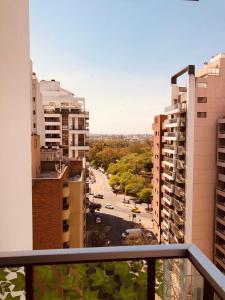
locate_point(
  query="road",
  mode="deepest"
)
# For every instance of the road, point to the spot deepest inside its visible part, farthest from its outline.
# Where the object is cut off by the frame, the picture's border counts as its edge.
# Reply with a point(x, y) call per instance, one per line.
point(120, 210)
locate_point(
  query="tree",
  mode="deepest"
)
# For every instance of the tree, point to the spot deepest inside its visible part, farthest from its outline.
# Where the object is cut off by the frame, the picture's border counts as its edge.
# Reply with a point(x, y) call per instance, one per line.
point(114, 181)
point(145, 195)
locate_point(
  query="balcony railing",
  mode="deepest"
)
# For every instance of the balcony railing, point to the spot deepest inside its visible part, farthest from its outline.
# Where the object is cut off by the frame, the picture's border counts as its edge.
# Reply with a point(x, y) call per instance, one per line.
point(212, 278)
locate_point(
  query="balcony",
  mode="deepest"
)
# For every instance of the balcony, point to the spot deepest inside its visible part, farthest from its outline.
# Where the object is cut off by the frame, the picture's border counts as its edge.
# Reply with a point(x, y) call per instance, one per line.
point(221, 149)
point(168, 186)
point(180, 178)
point(174, 122)
point(179, 192)
point(211, 280)
point(178, 205)
point(220, 163)
point(66, 190)
point(66, 211)
point(221, 134)
point(221, 205)
point(170, 149)
point(171, 136)
point(171, 162)
point(220, 191)
point(180, 164)
point(221, 246)
point(168, 199)
point(178, 234)
point(178, 219)
point(168, 174)
point(220, 218)
point(181, 150)
point(221, 177)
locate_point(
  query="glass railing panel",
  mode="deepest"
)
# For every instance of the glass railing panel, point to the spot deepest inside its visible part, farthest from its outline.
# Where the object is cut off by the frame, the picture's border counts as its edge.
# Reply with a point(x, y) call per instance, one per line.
point(181, 280)
point(12, 283)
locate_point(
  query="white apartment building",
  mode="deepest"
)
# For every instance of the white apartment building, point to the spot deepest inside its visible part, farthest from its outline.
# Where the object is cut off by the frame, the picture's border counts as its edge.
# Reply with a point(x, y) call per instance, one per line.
point(15, 130)
point(65, 119)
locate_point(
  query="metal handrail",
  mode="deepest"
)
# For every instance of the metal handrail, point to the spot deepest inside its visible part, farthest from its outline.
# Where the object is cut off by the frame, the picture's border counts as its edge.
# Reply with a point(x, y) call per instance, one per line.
point(214, 280)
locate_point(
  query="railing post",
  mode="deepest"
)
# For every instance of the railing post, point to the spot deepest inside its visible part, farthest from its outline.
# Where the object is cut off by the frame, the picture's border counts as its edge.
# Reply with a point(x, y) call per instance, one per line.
point(208, 292)
point(29, 282)
point(151, 279)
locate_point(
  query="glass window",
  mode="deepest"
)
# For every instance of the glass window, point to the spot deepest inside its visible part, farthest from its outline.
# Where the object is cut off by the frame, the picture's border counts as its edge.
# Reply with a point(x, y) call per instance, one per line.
point(202, 85)
point(201, 114)
point(202, 99)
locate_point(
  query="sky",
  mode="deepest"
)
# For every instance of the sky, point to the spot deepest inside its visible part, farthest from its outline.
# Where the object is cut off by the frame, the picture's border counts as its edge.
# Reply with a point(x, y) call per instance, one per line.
point(120, 54)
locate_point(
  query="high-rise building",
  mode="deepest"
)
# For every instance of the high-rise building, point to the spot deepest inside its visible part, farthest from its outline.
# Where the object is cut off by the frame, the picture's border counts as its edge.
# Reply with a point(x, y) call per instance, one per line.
point(66, 120)
point(189, 168)
point(157, 170)
point(15, 158)
point(59, 205)
point(219, 250)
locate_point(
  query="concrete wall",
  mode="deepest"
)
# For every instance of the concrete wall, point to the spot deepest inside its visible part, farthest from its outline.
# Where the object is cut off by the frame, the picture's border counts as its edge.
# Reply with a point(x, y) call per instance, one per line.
point(76, 213)
point(15, 129)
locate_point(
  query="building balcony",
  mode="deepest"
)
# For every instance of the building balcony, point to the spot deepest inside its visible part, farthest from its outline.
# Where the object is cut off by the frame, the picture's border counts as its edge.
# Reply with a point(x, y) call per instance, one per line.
point(180, 164)
point(221, 163)
point(221, 149)
point(211, 280)
point(220, 246)
point(221, 134)
point(171, 162)
point(181, 150)
point(168, 199)
point(66, 191)
point(66, 213)
point(220, 233)
point(179, 192)
point(178, 234)
point(174, 122)
point(168, 174)
point(220, 218)
point(221, 205)
point(221, 177)
point(220, 191)
point(178, 219)
point(178, 205)
point(179, 178)
point(66, 236)
point(168, 186)
point(170, 149)
point(171, 136)
point(53, 140)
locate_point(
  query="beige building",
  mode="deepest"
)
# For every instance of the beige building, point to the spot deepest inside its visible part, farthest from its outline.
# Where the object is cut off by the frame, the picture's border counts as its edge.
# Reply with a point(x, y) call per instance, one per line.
point(189, 156)
point(65, 120)
point(15, 158)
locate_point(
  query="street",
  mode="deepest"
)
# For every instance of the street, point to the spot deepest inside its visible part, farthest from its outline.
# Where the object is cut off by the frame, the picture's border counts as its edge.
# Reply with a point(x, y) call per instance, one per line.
point(121, 210)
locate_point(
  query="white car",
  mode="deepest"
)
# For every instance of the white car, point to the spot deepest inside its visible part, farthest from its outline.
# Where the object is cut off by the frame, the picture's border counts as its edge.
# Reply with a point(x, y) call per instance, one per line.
point(109, 206)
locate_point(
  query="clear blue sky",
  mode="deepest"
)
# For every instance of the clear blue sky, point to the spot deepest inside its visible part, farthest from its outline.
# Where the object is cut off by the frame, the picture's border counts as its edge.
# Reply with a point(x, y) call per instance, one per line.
point(120, 54)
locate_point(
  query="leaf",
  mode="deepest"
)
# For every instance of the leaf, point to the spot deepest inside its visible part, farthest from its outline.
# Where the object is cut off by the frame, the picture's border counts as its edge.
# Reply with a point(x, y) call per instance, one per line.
point(68, 283)
point(90, 295)
point(99, 277)
point(126, 294)
point(19, 282)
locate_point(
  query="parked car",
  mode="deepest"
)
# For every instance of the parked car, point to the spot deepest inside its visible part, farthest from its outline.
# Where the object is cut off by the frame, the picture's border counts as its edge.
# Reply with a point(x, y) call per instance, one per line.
point(131, 232)
point(100, 196)
point(109, 206)
point(98, 220)
point(135, 210)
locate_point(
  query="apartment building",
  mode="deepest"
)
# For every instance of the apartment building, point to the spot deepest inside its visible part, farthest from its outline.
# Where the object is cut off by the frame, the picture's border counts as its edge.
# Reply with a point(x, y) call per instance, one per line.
point(66, 120)
point(59, 205)
point(219, 250)
point(189, 168)
point(157, 170)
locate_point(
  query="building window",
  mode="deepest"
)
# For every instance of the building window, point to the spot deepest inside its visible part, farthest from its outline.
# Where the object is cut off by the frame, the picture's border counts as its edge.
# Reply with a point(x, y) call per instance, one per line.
point(213, 71)
point(34, 125)
point(34, 99)
point(34, 112)
point(201, 114)
point(202, 99)
point(202, 85)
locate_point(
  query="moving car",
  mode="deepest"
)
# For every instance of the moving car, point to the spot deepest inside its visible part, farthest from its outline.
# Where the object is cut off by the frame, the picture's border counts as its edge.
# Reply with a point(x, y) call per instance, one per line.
point(100, 196)
point(109, 206)
point(135, 210)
